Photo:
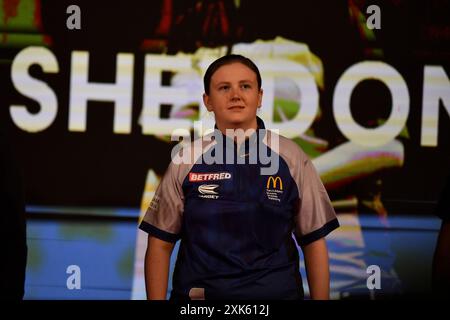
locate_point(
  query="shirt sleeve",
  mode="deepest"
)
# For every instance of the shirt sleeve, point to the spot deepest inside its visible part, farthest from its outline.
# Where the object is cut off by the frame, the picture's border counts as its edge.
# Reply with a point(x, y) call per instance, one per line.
point(315, 216)
point(163, 218)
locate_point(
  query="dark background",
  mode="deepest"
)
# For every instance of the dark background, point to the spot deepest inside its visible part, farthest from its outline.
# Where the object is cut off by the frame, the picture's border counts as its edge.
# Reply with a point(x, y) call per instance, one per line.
point(100, 168)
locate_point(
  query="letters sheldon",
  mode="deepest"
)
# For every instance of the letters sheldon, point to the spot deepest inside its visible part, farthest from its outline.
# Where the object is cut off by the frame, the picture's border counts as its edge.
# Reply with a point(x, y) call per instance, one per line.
point(188, 310)
point(435, 93)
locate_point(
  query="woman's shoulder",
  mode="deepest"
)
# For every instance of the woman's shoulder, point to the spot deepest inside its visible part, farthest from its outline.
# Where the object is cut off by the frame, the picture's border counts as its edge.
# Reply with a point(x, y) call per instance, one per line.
point(285, 147)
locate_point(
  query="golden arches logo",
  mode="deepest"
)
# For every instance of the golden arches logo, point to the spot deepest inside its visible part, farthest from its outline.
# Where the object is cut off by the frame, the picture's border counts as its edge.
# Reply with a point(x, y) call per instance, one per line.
point(274, 182)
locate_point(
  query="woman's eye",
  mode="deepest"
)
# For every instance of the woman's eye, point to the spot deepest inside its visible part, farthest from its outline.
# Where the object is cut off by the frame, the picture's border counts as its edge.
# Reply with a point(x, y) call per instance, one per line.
point(224, 88)
point(246, 86)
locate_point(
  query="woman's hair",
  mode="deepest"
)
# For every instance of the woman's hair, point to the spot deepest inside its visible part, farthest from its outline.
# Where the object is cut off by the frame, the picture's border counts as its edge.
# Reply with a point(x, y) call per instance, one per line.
point(228, 59)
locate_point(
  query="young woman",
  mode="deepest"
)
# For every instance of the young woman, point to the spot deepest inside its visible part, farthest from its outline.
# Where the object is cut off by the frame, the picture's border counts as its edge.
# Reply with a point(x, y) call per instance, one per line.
point(235, 222)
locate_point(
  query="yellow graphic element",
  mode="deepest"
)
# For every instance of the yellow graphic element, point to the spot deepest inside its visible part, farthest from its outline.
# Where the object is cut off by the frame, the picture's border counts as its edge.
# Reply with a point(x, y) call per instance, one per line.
point(151, 183)
point(274, 182)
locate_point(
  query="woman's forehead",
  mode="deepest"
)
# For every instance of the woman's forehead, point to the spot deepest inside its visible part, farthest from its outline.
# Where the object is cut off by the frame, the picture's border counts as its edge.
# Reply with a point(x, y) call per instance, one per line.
point(235, 71)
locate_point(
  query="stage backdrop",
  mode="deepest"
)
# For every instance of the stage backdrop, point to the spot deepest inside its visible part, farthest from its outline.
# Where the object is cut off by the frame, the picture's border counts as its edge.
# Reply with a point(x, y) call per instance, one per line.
point(92, 91)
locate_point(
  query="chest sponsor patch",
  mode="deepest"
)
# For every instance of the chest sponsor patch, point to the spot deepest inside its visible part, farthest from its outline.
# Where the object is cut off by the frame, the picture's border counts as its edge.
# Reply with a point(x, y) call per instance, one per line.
point(208, 191)
point(274, 188)
point(213, 176)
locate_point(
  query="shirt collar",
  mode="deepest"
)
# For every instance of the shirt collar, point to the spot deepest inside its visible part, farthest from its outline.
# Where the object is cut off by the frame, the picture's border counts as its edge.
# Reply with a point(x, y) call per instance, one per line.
point(251, 142)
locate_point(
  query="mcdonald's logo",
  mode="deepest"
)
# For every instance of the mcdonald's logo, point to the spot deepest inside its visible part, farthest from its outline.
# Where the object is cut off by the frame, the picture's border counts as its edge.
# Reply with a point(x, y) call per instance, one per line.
point(274, 182)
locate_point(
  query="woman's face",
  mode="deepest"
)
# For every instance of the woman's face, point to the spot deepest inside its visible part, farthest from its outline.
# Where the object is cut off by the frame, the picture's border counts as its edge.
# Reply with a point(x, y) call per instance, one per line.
point(234, 97)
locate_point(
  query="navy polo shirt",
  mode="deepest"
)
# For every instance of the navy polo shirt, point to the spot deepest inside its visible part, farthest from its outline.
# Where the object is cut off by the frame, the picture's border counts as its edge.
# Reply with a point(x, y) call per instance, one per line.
point(236, 208)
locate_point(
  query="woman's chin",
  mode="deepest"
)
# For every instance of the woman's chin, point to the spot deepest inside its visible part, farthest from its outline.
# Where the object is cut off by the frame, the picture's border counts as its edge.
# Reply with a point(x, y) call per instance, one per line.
point(236, 122)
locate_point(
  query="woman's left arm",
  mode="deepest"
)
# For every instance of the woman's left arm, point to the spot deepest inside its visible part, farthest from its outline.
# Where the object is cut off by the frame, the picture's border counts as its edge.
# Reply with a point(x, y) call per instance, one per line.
point(317, 269)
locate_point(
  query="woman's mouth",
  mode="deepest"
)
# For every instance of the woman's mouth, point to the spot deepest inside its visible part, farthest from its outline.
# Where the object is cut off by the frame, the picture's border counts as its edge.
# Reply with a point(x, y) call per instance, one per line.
point(236, 107)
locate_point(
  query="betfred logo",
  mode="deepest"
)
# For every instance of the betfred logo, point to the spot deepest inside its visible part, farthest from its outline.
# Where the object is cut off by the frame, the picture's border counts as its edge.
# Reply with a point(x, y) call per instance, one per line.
point(201, 177)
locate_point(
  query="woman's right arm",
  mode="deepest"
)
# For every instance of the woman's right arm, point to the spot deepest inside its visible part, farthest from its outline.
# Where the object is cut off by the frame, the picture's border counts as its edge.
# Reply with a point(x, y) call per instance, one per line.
point(157, 262)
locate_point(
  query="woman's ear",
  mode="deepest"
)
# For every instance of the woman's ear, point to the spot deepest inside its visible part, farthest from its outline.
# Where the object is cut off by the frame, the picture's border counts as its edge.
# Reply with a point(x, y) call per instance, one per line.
point(260, 95)
point(207, 102)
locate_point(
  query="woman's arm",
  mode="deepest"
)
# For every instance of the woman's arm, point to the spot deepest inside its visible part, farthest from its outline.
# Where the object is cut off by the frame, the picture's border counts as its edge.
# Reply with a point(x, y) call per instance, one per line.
point(317, 269)
point(157, 262)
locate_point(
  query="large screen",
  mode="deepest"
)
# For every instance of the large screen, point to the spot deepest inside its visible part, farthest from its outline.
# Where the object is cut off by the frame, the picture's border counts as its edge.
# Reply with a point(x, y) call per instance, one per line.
point(95, 96)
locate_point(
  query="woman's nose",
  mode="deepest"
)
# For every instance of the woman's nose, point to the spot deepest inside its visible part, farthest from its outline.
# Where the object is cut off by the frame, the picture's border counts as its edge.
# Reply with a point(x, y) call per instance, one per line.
point(235, 94)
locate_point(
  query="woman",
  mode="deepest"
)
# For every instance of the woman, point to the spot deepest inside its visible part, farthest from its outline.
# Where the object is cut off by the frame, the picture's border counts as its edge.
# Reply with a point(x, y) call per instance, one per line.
point(236, 222)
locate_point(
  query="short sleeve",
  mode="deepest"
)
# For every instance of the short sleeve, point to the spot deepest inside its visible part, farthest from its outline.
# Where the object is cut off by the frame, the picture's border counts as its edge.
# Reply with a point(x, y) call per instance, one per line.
point(315, 216)
point(163, 218)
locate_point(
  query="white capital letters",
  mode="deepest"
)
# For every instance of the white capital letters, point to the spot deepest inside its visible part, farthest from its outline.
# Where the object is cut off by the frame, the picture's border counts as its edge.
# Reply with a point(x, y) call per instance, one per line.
point(156, 94)
point(299, 78)
point(436, 86)
point(400, 103)
point(34, 89)
point(120, 92)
